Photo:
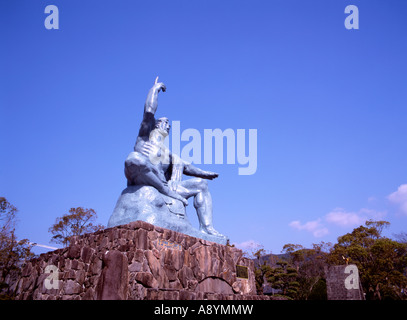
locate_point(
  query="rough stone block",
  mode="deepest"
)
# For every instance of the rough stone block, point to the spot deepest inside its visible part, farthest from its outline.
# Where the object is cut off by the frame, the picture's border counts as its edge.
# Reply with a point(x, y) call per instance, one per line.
point(113, 281)
point(74, 252)
point(147, 279)
point(72, 287)
point(215, 285)
point(86, 254)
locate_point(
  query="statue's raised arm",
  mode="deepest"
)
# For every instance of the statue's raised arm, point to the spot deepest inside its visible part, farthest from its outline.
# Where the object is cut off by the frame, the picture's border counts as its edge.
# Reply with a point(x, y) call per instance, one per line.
point(152, 97)
point(150, 107)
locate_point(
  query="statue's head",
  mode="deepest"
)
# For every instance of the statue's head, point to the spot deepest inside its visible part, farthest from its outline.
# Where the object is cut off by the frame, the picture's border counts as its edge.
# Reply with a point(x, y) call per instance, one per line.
point(163, 126)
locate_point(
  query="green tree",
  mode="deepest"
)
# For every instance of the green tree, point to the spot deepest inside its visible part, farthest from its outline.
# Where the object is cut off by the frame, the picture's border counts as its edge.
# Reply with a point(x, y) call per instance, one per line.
point(309, 264)
point(296, 254)
point(381, 261)
point(318, 291)
point(77, 222)
point(284, 278)
point(13, 252)
point(261, 269)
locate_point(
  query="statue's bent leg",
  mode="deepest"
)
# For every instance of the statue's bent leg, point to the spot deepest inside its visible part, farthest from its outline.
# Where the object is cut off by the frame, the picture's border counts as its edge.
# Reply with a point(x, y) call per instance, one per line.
point(198, 188)
point(139, 171)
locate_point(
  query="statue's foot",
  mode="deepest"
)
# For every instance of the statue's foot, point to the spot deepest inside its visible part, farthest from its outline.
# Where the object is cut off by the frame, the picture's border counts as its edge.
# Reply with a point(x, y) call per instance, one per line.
point(211, 230)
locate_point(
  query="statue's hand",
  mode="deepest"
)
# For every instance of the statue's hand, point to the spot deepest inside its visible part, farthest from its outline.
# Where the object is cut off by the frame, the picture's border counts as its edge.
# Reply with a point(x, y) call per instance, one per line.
point(211, 175)
point(159, 85)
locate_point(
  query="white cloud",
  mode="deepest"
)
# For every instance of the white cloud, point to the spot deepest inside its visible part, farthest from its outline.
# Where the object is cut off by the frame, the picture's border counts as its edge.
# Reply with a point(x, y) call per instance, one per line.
point(373, 214)
point(248, 245)
point(315, 227)
point(340, 217)
point(399, 198)
point(344, 218)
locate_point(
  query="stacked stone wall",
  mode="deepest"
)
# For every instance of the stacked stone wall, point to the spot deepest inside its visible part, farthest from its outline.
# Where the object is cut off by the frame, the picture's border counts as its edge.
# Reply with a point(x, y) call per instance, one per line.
point(138, 261)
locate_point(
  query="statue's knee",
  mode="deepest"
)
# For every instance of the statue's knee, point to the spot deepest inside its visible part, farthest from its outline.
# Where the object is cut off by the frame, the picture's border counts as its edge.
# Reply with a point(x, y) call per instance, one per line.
point(133, 165)
point(202, 184)
point(135, 159)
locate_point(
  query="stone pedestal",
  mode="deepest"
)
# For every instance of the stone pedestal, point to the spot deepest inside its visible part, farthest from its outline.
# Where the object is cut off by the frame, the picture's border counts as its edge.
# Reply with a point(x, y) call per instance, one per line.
point(146, 204)
point(139, 261)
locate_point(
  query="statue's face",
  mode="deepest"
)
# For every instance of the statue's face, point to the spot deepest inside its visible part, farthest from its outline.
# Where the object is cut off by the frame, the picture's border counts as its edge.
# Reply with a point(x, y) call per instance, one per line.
point(163, 124)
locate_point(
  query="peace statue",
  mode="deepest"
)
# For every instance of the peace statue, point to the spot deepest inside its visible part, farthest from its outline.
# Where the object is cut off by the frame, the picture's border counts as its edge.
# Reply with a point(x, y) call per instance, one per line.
point(155, 190)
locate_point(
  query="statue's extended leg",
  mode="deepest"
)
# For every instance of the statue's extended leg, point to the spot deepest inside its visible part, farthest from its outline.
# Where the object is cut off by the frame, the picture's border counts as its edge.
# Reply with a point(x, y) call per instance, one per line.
point(198, 188)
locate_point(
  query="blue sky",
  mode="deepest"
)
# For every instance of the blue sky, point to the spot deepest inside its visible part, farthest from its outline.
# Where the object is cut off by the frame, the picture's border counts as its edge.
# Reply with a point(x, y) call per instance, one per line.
point(329, 106)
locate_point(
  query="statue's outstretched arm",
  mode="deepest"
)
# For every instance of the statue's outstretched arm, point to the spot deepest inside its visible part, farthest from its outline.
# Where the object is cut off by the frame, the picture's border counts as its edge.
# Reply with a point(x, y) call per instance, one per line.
point(191, 170)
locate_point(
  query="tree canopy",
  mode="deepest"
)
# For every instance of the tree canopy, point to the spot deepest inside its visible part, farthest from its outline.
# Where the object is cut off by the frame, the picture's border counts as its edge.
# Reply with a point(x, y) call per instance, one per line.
point(77, 222)
point(12, 251)
point(381, 261)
